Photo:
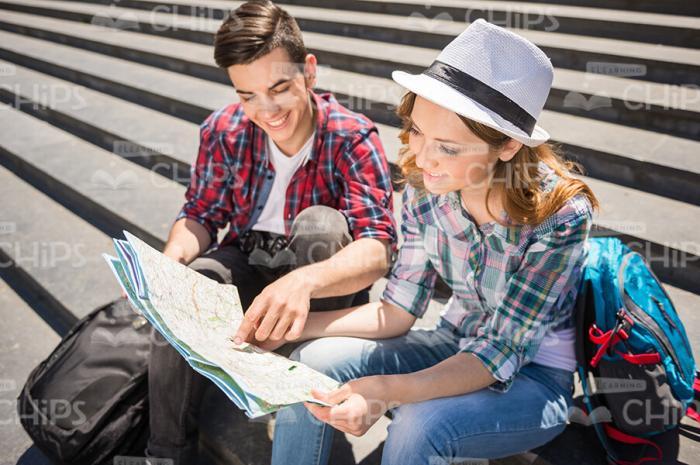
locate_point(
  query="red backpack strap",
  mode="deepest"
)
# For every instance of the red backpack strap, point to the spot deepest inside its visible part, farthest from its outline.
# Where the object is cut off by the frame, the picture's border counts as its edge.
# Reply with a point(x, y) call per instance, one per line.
point(641, 359)
point(692, 411)
point(693, 414)
point(619, 436)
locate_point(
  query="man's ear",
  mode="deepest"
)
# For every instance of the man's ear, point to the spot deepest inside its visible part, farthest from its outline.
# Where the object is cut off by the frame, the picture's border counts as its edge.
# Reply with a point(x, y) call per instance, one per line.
point(310, 70)
point(509, 150)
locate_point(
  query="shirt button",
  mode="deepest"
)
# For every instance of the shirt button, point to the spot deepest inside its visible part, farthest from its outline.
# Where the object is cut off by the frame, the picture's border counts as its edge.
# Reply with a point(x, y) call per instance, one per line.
point(269, 176)
point(260, 207)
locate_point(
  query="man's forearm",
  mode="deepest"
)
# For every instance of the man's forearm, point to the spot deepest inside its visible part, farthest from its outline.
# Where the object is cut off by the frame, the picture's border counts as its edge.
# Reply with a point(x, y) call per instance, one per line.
point(352, 269)
point(374, 320)
point(459, 374)
point(186, 241)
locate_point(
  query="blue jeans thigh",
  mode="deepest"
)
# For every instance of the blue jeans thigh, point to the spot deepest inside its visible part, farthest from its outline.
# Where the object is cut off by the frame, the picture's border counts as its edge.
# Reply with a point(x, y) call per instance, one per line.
point(483, 424)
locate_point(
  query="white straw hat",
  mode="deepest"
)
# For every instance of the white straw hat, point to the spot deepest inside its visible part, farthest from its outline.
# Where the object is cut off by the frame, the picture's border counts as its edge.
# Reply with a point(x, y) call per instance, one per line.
point(492, 76)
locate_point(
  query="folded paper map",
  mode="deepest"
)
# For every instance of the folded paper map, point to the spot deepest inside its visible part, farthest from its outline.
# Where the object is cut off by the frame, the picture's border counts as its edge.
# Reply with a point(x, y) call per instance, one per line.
point(199, 318)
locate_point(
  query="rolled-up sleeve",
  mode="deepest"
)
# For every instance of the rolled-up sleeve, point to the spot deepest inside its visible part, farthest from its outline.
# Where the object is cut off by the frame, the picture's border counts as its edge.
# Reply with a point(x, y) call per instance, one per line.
point(208, 198)
point(551, 267)
point(412, 278)
point(366, 201)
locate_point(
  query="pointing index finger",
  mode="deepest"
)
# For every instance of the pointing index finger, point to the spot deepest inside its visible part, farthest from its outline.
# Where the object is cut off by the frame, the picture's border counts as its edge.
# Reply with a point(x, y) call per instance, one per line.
point(247, 325)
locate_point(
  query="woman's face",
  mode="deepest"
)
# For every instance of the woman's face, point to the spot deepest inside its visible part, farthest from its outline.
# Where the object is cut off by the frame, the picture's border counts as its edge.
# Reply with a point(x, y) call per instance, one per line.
point(451, 157)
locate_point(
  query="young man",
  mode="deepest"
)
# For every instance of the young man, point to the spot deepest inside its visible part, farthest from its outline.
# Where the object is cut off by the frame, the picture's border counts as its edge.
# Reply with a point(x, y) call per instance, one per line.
point(305, 189)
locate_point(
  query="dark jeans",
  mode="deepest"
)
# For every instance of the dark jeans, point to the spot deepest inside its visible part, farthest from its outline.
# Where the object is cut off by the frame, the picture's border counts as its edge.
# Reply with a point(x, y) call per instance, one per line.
point(175, 389)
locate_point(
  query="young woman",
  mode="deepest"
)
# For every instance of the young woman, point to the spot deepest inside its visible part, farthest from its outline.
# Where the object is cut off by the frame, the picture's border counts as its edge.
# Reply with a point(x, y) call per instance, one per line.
point(497, 214)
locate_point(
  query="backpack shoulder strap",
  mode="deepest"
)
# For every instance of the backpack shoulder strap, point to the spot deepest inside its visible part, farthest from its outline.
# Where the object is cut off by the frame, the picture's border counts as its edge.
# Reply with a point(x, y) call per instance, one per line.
point(617, 435)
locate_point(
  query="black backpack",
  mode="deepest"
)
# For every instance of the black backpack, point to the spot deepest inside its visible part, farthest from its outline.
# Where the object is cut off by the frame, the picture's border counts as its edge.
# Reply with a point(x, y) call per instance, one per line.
point(88, 401)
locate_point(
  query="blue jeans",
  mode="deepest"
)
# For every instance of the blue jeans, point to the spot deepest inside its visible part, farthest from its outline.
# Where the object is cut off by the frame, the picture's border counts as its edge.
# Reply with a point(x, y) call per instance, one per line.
point(480, 425)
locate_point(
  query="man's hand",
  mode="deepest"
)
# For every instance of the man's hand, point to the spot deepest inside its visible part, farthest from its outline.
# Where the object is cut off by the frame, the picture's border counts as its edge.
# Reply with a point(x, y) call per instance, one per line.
point(278, 312)
point(269, 345)
point(357, 405)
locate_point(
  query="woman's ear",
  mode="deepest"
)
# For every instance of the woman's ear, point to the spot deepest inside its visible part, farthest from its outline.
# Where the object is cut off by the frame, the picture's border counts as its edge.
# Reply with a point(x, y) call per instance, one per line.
point(310, 70)
point(509, 150)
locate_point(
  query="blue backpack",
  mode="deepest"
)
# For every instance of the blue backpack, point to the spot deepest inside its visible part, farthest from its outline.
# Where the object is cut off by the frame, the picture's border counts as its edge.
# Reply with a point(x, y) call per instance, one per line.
point(634, 359)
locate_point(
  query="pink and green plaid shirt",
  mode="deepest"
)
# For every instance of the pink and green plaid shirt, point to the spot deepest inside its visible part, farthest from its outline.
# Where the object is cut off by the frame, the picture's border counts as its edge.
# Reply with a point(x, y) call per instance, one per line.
point(511, 285)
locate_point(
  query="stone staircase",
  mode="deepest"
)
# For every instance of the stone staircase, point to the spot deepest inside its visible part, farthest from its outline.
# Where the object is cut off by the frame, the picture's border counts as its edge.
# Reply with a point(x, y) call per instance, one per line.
point(100, 103)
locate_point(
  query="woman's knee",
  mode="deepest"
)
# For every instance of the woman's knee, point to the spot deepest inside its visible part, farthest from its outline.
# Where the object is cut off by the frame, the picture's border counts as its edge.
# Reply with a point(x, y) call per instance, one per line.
point(415, 434)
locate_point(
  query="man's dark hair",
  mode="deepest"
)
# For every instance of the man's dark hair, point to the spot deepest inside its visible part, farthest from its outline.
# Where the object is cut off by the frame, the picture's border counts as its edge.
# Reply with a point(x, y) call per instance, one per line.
point(255, 29)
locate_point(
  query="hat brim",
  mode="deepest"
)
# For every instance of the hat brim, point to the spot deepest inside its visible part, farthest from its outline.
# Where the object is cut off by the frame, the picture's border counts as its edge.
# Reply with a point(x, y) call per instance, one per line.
point(447, 97)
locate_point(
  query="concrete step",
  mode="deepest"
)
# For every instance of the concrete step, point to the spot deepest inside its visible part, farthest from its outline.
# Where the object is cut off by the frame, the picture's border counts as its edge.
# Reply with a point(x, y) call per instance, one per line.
point(665, 108)
point(638, 158)
point(112, 123)
point(189, 98)
point(655, 28)
point(50, 249)
point(27, 340)
point(688, 306)
point(568, 9)
point(170, 92)
point(637, 217)
point(542, 16)
point(655, 63)
point(637, 224)
point(673, 7)
point(113, 192)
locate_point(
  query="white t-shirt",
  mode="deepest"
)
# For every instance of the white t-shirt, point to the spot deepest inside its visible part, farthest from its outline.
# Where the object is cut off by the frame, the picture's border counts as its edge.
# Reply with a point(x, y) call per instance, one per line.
point(558, 350)
point(272, 216)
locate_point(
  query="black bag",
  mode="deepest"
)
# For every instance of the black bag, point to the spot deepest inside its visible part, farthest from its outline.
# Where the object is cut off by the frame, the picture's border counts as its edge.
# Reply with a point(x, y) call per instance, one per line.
point(88, 401)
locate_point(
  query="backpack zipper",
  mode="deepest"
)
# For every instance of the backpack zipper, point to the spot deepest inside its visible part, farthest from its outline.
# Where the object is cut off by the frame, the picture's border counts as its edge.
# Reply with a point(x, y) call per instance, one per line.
point(666, 316)
point(641, 316)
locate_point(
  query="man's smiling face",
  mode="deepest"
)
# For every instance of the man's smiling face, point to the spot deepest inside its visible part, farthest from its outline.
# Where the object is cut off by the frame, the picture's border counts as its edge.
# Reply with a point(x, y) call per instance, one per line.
point(274, 93)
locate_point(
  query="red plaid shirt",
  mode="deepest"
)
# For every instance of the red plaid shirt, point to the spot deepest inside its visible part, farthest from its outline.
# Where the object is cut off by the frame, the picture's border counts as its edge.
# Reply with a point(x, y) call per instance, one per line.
point(347, 170)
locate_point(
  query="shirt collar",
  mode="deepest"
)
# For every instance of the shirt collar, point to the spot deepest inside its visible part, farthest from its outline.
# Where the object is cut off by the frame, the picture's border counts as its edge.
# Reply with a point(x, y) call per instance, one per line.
point(322, 108)
point(511, 234)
